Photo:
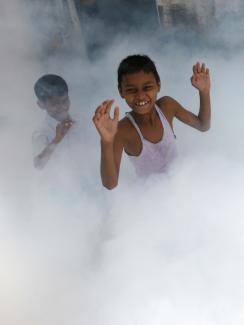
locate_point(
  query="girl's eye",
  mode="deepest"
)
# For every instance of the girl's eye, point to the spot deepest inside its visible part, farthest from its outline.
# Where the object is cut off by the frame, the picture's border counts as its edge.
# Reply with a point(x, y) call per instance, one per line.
point(148, 88)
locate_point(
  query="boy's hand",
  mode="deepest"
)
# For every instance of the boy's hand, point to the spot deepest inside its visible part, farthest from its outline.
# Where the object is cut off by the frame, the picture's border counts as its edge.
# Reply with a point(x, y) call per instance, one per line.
point(200, 78)
point(106, 126)
point(61, 129)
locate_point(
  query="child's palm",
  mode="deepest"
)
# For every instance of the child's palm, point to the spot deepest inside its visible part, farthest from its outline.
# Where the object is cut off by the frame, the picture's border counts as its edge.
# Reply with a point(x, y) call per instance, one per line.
point(106, 126)
point(200, 78)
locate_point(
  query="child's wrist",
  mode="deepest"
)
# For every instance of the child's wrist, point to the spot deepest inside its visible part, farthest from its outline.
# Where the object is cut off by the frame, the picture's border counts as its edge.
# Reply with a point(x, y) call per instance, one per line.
point(107, 142)
point(204, 91)
point(52, 146)
point(55, 141)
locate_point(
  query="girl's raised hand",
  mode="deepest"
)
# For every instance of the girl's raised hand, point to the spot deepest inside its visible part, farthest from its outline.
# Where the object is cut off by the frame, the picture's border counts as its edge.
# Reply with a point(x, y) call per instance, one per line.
point(200, 78)
point(106, 126)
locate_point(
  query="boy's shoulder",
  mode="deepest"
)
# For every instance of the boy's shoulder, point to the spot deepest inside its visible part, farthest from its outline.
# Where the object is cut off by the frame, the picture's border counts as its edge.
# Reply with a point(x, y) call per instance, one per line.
point(124, 124)
point(125, 127)
point(165, 101)
point(167, 105)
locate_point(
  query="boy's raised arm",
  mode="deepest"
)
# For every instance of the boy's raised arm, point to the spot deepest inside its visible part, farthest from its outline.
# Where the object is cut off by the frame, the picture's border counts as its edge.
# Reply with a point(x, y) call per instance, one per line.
point(111, 147)
point(43, 157)
point(201, 81)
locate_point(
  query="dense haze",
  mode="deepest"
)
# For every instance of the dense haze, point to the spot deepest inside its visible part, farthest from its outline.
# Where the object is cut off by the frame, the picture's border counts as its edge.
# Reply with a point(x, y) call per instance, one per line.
point(168, 250)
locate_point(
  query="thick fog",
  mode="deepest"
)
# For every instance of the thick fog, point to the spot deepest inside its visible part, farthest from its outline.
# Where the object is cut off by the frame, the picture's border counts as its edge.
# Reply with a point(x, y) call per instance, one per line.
point(166, 250)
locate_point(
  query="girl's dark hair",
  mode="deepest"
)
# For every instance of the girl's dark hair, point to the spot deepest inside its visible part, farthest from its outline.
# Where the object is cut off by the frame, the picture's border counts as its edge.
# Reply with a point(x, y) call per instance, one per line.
point(134, 64)
point(50, 85)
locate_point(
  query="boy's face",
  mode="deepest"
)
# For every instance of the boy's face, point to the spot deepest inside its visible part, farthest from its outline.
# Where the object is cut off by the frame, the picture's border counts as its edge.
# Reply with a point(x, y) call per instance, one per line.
point(57, 107)
point(140, 91)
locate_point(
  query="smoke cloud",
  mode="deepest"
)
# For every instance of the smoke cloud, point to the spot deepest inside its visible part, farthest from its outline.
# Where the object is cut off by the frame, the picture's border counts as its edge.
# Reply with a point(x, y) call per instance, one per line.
point(168, 249)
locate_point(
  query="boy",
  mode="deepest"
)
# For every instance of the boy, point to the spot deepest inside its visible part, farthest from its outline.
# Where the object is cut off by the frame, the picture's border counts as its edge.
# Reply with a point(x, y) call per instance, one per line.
point(146, 133)
point(52, 96)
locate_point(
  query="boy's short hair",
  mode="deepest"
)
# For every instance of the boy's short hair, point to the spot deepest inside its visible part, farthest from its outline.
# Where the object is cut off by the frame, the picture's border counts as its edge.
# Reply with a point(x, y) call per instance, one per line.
point(50, 85)
point(136, 63)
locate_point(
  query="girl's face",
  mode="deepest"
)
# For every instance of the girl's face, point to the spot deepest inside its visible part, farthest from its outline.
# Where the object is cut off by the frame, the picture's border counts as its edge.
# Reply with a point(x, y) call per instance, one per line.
point(140, 91)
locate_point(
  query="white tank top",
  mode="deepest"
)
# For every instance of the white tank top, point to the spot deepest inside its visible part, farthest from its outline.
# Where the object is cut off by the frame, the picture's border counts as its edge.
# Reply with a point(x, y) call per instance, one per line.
point(154, 157)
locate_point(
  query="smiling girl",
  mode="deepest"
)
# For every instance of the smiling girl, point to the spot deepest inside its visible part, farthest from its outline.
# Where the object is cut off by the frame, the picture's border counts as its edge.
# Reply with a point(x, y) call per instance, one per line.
point(146, 133)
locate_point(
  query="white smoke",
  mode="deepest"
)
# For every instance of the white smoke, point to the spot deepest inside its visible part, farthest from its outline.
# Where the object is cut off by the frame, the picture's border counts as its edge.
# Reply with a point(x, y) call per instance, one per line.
point(166, 250)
